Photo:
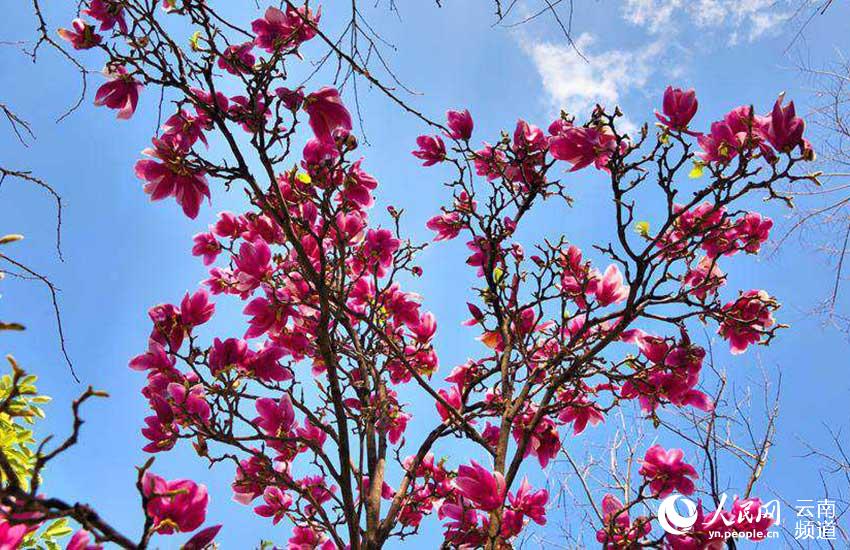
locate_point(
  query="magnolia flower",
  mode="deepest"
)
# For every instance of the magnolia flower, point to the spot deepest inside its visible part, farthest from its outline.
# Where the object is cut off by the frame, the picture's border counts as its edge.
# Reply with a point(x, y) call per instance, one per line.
point(720, 144)
point(11, 535)
point(81, 35)
point(202, 538)
point(189, 403)
point(582, 147)
point(195, 310)
point(679, 108)
point(746, 319)
point(278, 29)
point(206, 246)
point(276, 417)
point(327, 113)
point(531, 504)
point(277, 503)
point(80, 541)
point(431, 150)
point(227, 354)
point(121, 92)
point(481, 486)
point(785, 129)
point(253, 264)
point(460, 124)
point(608, 287)
point(108, 13)
point(752, 231)
point(171, 175)
point(174, 506)
point(666, 472)
point(447, 226)
point(237, 59)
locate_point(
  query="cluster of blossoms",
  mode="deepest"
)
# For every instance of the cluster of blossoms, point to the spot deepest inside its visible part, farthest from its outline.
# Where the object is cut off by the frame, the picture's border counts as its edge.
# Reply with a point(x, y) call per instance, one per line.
point(688, 249)
point(176, 506)
point(320, 287)
point(665, 472)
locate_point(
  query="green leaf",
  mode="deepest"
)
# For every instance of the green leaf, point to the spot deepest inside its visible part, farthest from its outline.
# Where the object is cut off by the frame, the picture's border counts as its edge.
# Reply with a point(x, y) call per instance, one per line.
point(58, 528)
point(696, 171)
point(642, 229)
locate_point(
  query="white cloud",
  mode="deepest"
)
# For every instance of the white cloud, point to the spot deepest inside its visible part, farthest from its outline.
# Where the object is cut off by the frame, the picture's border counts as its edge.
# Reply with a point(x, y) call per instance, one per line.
point(739, 19)
point(577, 85)
point(655, 15)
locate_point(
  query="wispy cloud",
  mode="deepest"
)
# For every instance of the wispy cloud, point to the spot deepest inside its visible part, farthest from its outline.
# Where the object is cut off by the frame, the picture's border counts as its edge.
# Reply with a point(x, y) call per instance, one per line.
point(577, 83)
point(738, 19)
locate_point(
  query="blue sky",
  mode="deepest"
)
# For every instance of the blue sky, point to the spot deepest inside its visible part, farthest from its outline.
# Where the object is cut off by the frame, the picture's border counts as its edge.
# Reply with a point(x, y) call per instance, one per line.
point(124, 254)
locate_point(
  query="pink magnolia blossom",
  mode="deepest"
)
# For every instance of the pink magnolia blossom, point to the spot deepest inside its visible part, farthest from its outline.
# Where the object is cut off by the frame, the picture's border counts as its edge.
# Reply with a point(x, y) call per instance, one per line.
point(253, 264)
point(619, 531)
point(489, 162)
point(276, 504)
point(358, 186)
point(80, 541)
point(156, 359)
point(196, 309)
point(378, 249)
point(484, 488)
point(785, 129)
point(276, 417)
point(753, 231)
point(746, 319)
point(202, 538)
point(312, 433)
point(265, 363)
point(666, 472)
point(108, 13)
point(121, 92)
point(11, 535)
point(447, 226)
point(228, 225)
point(528, 138)
point(680, 106)
point(705, 278)
point(237, 59)
point(431, 150)
point(327, 113)
point(278, 29)
point(608, 287)
point(460, 124)
point(206, 246)
point(452, 397)
point(305, 538)
point(292, 99)
point(720, 145)
point(544, 443)
point(187, 127)
point(189, 402)
point(580, 411)
point(425, 328)
point(251, 113)
point(582, 147)
point(171, 175)
point(160, 429)
point(227, 354)
point(81, 35)
point(174, 506)
point(531, 504)
point(167, 326)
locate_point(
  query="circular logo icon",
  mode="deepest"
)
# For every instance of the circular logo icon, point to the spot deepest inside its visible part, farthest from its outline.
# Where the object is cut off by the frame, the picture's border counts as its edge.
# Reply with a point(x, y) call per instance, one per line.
point(671, 521)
